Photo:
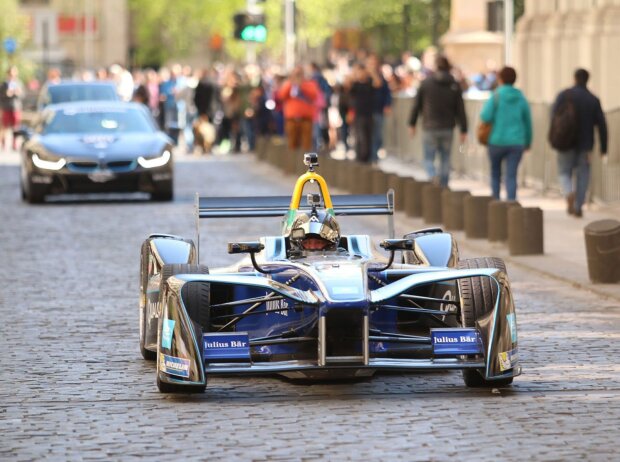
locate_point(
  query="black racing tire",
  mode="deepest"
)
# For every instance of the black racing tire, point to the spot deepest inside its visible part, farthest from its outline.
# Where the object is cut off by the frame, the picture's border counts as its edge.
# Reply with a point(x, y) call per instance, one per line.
point(32, 193)
point(148, 355)
point(478, 296)
point(197, 300)
point(164, 387)
point(164, 193)
point(195, 294)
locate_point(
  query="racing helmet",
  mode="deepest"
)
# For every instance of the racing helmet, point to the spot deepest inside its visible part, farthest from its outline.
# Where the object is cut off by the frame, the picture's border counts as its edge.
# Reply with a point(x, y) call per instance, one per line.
point(317, 230)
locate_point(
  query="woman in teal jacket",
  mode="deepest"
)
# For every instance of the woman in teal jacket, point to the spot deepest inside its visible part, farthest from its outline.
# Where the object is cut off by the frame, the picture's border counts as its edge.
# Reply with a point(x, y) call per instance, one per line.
point(509, 112)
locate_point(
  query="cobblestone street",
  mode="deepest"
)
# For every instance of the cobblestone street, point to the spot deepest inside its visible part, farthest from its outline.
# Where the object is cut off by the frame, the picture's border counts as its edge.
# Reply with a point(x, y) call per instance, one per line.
point(74, 386)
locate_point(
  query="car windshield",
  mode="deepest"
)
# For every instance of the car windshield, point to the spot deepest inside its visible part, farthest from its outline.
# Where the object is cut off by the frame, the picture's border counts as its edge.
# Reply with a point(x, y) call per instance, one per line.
point(107, 121)
point(67, 93)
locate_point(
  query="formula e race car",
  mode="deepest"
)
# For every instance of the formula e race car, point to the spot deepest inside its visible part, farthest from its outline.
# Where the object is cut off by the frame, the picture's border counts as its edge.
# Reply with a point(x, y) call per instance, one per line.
point(312, 303)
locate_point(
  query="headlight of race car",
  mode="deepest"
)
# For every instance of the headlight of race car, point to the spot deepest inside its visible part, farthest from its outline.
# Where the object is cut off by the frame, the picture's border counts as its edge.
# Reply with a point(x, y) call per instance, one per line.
point(152, 162)
point(47, 161)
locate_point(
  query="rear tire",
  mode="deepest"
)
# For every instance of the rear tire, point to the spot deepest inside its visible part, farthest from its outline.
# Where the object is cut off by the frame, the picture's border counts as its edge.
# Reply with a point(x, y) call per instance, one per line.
point(32, 193)
point(148, 355)
point(478, 296)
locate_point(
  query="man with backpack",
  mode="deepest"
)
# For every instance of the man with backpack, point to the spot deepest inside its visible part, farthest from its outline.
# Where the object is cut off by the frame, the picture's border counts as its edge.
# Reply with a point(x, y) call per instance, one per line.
point(573, 116)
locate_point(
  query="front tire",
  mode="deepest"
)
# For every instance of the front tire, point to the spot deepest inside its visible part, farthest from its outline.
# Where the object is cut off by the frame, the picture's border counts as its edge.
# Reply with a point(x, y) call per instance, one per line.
point(164, 193)
point(478, 295)
point(32, 193)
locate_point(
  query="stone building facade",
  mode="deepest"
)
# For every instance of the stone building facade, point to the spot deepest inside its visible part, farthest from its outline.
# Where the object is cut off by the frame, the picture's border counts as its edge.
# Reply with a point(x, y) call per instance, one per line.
point(77, 34)
point(554, 37)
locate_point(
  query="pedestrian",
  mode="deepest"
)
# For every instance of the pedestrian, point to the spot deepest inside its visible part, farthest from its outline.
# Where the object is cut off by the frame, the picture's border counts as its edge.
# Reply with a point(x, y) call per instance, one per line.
point(11, 94)
point(440, 101)
point(574, 161)
point(320, 129)
point(298, 95)
point(511, 134)
point(362, 87)
point(382, 106)
point(229, 134)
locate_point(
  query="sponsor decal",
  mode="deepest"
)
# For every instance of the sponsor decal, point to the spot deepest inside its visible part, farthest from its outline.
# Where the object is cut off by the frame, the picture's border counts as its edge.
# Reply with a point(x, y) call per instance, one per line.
point(234, 346)
point(456, 341)
point(166, 333)
point(275, 305)
point(174, 366)
point(512, 325)
point(508, 359)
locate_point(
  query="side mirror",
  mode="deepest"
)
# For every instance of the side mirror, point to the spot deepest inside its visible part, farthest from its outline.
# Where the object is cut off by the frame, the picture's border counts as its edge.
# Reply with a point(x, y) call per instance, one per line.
point(397, 244)
point(24, 132)
point(244, 247)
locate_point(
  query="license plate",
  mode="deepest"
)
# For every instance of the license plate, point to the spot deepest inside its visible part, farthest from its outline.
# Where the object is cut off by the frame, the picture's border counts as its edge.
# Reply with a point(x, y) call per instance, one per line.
point(101, 176)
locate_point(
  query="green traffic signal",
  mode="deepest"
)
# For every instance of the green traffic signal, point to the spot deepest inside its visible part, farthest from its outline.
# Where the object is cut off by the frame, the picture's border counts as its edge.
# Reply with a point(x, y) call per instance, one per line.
point(254, 33)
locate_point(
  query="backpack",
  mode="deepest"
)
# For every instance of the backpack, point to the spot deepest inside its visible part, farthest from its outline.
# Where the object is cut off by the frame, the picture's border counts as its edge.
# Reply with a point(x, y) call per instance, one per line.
point(563, 127)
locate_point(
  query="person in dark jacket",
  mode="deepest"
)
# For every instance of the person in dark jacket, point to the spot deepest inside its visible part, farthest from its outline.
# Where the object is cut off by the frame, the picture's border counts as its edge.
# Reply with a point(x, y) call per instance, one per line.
point(440, 102)
point(382, 105)
point(575, 162)
point(362, 87)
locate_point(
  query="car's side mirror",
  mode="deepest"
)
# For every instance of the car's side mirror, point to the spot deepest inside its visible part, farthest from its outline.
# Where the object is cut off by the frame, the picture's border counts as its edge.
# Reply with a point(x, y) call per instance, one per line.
point(397, 244)
point(24, 132)
point(244, 247)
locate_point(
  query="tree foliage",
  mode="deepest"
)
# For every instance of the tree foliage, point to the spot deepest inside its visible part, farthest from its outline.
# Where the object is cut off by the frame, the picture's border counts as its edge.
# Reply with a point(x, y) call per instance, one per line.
point(15, 25)
point(166, 30)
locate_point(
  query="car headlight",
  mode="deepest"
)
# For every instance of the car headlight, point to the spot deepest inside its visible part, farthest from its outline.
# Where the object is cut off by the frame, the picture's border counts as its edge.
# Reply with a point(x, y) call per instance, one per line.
point(48, 162)
point(153, 162)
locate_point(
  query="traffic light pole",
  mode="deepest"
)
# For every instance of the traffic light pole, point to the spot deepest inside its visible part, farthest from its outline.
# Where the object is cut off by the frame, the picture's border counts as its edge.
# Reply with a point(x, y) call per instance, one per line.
point(250, 47)
point(289, 32)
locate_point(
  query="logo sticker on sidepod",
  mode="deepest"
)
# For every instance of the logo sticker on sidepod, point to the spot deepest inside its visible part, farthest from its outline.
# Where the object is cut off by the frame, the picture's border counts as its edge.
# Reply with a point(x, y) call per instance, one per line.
point(166, 333)
point(455, 341)
point(227, 347)
point(508, 359)
point(174, 366)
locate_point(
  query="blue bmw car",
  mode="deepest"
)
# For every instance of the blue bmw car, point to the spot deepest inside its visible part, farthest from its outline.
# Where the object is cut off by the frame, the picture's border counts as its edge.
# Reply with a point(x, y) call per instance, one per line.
point(96, 146)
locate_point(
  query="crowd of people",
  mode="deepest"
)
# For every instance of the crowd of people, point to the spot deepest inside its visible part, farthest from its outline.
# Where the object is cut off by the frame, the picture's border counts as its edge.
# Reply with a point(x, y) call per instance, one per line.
point(223, 109)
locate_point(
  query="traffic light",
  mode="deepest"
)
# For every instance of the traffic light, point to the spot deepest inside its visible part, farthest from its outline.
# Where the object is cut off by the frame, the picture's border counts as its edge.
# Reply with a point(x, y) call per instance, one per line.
point(250, 27)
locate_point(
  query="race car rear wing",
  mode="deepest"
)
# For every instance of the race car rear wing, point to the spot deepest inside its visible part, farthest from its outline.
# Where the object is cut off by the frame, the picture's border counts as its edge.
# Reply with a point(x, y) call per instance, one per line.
point(279, 206)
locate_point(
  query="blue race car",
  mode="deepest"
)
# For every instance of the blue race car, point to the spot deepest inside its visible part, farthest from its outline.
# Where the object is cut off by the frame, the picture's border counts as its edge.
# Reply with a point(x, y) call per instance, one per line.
point(313, 303)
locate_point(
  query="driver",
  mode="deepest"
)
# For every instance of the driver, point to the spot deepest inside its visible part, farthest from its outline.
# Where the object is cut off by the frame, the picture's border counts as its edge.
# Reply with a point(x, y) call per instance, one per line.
point(317, 230)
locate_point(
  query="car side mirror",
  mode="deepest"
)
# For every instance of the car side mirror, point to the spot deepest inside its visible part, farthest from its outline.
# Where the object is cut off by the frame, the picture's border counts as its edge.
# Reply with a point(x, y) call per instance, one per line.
point(244, 247)
point(397, 244)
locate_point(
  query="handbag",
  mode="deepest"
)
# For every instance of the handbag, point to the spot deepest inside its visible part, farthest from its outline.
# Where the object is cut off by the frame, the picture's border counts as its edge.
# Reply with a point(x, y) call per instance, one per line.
point(483, 132)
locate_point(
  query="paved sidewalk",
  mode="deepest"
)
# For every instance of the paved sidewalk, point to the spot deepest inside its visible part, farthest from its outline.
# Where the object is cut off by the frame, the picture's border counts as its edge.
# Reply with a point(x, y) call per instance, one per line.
point(564, 242)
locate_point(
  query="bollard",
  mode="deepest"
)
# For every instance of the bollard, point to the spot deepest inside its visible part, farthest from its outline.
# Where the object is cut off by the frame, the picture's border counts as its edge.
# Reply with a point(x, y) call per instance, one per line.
point(299, 168)
point(262, 145)
point(525, 230)
point(475, 216)
point(378, 181)
point(397, 182)
point(352, 173)
point(413, 197)
point(326, 168)
point(431, 203)
point(340, 174)
point(452, 209)
point(277, 150)
point(603, 250)
point(498, 219)
point(363, 185)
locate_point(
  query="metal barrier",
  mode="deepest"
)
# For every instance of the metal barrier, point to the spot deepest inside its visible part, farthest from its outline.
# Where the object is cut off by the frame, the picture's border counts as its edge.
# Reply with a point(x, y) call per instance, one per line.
point(538, 168)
